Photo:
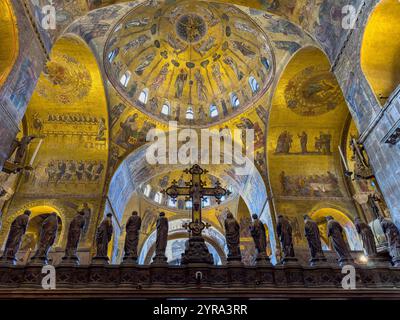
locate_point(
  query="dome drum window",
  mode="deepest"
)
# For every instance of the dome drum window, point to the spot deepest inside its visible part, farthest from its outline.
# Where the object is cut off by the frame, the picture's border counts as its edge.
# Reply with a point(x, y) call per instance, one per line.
point(143, 96)
point(189, 113)
point(255, 87)
point(213, 111)
point(125, 78)
point(235, 103)
point(165, 109)
point(158, 197)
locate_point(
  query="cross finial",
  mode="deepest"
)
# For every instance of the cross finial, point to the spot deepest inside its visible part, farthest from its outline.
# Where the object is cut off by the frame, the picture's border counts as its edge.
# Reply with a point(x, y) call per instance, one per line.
point(195, 191)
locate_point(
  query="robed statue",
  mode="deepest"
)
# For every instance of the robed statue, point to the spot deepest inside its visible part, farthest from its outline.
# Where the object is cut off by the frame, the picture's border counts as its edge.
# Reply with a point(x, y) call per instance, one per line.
point(257, 231)
point(367, 237)
point(48, 234)
point(162, 238)
point(20, 146)
point(103, 237)
point(132, 237)
point(74, 235)
point(87, 212)
point(311, 232)
point(339, 244)
point(393, 238)
point(284, 231)
point(17, 230)
point(232, 236)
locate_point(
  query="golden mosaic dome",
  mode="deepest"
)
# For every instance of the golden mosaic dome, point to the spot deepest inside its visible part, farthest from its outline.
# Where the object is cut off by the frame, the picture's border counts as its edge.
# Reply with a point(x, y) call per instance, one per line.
point(196, 63)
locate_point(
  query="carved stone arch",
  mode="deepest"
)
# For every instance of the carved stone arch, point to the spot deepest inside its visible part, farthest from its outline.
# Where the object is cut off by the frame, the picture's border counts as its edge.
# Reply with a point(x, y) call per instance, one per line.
point(305, 127)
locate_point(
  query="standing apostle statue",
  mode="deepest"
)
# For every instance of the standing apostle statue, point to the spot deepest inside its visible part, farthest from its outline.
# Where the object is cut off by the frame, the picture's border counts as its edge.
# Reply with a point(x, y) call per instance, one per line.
point(311, 232)
point(257, 231)
point(232, 236)
point(339, 244)
point(74, 235)
point(132, 238)
point(103, 237)
point(162, 239)
point(284, 231)
point(48, 235)
point(17, 230)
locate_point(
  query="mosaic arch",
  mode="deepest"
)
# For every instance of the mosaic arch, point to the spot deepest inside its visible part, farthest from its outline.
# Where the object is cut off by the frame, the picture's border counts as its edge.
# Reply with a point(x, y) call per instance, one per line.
point(196, 63)
point(69, 109)
point(134, 170)
point(8, 39)
point(382, 34)
point(305, 129)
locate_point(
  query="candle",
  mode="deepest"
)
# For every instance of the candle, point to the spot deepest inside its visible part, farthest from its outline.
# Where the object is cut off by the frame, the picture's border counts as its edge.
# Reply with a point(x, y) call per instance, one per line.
point(343, 158)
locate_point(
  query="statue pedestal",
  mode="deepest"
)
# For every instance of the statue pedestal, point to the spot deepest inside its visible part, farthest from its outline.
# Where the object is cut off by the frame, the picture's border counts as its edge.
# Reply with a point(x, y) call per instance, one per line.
point(160, 260)
point(396, 262)
point(317, 262)
point(235, 261)
point(132, 261)
point(290, 261)
point(196, 251)
point(39, 261)
point(262, 260)
point(6, 261)
point(100, 261)
point(379, 260)
point(70, 261)
point(346, 261)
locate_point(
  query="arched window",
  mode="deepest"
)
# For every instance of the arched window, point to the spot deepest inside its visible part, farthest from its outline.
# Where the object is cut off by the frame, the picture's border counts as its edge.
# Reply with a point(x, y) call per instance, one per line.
point(189, 113)
point(144, 95)
point(118, 27)
point(206, 202)
point(113, 54)
point(158, 197)
point(171, 203)
point(125, 78)
point(213, 111)
point(234, 100)
point(254, 84)
point(165, 109)
point(188, 204)
point(265, 63)
point(147, 190)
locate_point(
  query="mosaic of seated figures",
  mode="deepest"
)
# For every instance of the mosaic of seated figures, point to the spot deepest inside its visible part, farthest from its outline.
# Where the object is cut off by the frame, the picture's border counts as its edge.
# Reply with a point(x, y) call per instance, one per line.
point(318, 185)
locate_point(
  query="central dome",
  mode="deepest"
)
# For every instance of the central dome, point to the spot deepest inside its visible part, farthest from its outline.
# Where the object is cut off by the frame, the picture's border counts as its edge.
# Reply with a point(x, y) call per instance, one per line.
point(197, 63)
